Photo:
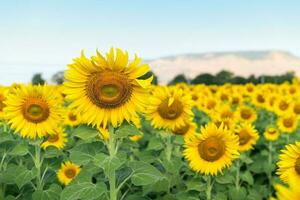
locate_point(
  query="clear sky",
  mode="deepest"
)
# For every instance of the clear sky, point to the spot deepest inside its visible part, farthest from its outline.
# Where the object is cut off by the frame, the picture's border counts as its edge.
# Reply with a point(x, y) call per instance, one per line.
point(53, 32)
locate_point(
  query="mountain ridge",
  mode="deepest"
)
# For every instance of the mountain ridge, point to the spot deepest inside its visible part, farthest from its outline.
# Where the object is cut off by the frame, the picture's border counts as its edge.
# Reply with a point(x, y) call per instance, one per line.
point(243, 63)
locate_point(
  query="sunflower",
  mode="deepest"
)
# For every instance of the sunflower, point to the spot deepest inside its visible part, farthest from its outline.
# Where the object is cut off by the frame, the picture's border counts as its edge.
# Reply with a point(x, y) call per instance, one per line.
point(271, 134)
point(282, 105)
point(33, 111)
point(57, 140)
point(288, 193)
point(259, 99)
point(67, 172)
point(289, 163)
point(224, 111)
point(211, 151)
point(189, 129)
point(72, 117)
point(227, 123)
point(296, 108)
point(246, 114)
point(287, 123)
point(248, 136)
point(107, 90)
point(169, 108)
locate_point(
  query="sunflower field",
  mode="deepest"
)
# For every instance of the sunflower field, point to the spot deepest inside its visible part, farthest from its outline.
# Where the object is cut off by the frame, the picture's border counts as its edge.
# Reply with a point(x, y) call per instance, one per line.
point(107, 133)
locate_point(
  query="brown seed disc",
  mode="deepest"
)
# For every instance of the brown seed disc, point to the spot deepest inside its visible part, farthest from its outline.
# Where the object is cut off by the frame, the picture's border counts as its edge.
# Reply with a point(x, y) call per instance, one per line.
point(109, 89)
point(288, 122)
point(244, 136)
point(181, 130)
point(35, 110)
point(170, 112)
point(246, 113)
point(53, 138)
point(211, 149)
point(70, 173)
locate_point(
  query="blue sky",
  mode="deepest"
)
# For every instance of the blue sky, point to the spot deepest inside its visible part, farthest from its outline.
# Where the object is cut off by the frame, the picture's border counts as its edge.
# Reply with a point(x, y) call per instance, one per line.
point(53, 32)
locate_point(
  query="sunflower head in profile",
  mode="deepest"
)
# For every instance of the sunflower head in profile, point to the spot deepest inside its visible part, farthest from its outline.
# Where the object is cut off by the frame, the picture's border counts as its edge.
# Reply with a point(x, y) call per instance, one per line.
point(271, 134)
point(248, 136)
point(67, 172)
point(71, 117)
point(58, 139)
point(287, 123)
point(246, 114)
point(289, 162)
point(296, 108)
point(211, 151)
point(33, 111)
point(107, 90)
point(169, 108)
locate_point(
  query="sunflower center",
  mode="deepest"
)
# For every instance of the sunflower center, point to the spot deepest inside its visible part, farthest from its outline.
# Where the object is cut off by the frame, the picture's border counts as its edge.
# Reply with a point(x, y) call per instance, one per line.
point(246, 114)
point(283, 105)
point(235, 100)
point(260, 98)
point(288, 122)
point(35, 110)
point(172, 111)
point(226, 114)
point(53, 138)
point(70, 173)
point(211, 104)
point(272, 131)
point(224, 97)
point(297, 109)
point(244, 137)
point(194, 97)
point(292, 90)
point(72, 117)
point(181, 130)
point(211, 149)
point(250, 89)
point(109, 89)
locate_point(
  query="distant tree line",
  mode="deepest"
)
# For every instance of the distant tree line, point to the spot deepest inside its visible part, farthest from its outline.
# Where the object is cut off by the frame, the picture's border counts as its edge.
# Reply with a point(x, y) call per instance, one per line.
point(228, 77)
point(209, 79)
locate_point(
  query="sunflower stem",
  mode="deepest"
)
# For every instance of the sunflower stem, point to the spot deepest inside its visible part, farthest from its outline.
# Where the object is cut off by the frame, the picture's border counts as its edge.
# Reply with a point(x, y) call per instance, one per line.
point(237, 178)
point(111, 172)
point(270, 164)
point(169, 147)
point(287, 139)
point(209, 188)
point(38, 163)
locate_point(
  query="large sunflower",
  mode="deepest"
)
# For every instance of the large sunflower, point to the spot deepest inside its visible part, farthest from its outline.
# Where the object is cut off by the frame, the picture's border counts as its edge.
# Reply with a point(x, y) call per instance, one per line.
point(33, 111)
point(169, 108)
point(212, 150)
point(289, 162)
point(67, 172)
point(248, 136)
point(288, 193)
point(107, 90)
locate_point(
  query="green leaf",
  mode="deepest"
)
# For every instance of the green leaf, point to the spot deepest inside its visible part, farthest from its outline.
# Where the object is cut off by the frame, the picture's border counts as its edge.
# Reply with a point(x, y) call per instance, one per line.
point(19, 150)
point(52, 152)
point(53, 193)
point(84, 153)
point(83, 191)
point(225, 179)
point(155, 144)
point(108, 163)
point(19, 175)
point(126, 130)
point(144, 173)
point(85, 132)
point(196, 185)
point(4, 137)
point(237, 194)
point(247, 177)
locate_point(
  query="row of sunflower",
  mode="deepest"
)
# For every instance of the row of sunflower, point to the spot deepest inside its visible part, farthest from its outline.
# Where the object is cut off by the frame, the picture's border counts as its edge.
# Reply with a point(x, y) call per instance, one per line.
point(107, 133)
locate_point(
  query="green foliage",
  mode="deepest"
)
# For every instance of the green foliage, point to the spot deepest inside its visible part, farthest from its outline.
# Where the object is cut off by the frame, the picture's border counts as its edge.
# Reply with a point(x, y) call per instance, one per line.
point(37, 79)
